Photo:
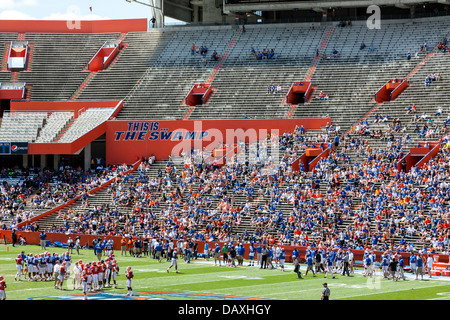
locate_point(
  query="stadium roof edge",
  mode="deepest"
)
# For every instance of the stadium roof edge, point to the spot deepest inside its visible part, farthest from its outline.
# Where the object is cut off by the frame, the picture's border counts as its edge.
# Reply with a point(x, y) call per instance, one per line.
point(293, 24)
point(314, 5)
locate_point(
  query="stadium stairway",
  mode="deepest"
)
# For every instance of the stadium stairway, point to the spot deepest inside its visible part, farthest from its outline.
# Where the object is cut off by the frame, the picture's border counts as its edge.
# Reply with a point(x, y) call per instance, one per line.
point(141, 49)
point(58, 61)
point(359, 71)
point(295, 48)
point(353, 77)
point(5, 42)
point(161, 91)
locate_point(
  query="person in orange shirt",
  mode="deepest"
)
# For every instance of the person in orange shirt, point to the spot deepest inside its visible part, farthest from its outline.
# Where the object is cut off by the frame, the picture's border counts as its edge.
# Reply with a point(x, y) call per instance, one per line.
point(130, 246)
point(123, 246)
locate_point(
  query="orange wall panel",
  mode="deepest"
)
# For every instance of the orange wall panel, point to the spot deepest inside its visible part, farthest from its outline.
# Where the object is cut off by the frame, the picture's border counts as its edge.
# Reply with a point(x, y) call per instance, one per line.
point(84, 26)
point(128, 141)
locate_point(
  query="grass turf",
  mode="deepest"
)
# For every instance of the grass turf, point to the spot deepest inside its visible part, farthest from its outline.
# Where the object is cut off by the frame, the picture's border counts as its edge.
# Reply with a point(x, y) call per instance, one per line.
point(201, 280)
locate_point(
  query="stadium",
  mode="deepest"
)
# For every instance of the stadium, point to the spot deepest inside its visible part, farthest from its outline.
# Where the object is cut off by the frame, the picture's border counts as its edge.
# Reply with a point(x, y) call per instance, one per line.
point(246, 153)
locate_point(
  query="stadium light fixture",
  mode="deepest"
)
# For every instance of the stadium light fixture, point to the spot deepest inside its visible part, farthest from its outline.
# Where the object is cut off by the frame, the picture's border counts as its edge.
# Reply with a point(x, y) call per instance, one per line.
point(153, 6)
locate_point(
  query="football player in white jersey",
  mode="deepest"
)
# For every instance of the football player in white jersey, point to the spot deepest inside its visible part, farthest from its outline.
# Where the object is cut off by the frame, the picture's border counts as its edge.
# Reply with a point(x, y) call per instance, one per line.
point(77, 276)
point(174, 262)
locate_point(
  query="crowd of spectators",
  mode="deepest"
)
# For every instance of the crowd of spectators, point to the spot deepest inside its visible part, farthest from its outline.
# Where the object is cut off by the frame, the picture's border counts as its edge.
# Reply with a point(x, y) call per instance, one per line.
point(24, 193)
point(429, 79)
point(265, 54)
point(443, 46)
point(274, 89)
point(364, 204)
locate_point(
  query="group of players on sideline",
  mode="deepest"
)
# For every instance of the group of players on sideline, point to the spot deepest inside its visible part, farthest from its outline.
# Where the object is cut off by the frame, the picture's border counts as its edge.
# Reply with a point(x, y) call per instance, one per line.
point(87, 276)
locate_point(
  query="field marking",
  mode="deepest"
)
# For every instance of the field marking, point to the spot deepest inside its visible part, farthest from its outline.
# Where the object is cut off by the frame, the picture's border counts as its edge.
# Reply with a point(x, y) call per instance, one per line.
point(445, 296)
point(390, 291)
point(176, 280)
point(210, 277)
point(331, 285)
point(31, 289)
point(316, 290)
point(6, 258)
point(256, 285)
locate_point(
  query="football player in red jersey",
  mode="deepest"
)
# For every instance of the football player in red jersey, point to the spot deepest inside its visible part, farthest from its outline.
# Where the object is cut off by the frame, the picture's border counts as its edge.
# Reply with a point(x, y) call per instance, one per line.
point(115, 272)
point(2, 288)
point(108, 268)
point(103, 271)
point(62, 275)
point(129, 274)
point(88, 269)
point(19, 266)
point(101, 268)
point(84, 284)
point(94, 275)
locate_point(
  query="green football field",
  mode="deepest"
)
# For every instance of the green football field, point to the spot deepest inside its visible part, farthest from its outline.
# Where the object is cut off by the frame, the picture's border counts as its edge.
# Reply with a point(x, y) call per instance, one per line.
point(201, 280)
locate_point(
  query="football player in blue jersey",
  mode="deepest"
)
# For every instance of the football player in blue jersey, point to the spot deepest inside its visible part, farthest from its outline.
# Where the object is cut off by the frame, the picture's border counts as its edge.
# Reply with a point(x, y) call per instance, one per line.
point(34, 264)
point(29, 266)
point(282, 259)
point(329, 267)
point(384, 266)
point(206, 251)
point(49, 269)
point(68, 262)
point(310, 264)
point(368, 266)
point(412, 263)
point(217, 253)
point(42, 262)
point(270, 257)
point(296, 260)
point(251, 254)
point(401, 266)
point(241, 254)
